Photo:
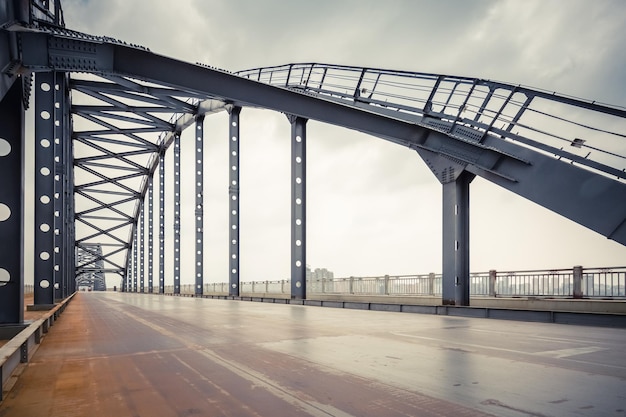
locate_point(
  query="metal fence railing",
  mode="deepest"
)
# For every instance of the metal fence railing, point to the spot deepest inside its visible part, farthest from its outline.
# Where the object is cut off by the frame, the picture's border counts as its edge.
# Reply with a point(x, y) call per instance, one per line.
point(576, 282)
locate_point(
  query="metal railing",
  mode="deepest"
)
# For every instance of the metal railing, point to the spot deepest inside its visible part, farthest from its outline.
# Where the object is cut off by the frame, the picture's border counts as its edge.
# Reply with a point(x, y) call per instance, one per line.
point(577, 282)
point(579, 131)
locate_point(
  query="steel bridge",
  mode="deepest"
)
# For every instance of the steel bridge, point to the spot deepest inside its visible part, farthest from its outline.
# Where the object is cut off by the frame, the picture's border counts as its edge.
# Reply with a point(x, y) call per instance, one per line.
point(106, 113)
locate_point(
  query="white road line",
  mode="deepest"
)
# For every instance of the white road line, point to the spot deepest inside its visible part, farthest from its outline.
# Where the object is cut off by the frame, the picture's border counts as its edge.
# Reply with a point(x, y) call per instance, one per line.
point(566, 353)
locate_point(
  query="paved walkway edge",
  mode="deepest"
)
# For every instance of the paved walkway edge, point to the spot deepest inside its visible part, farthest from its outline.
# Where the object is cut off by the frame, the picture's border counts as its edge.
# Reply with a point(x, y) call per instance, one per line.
point(20, 349)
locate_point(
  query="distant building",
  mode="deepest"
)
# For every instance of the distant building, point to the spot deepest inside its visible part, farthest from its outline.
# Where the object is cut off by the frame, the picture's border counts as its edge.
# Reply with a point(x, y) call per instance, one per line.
point(318, 274)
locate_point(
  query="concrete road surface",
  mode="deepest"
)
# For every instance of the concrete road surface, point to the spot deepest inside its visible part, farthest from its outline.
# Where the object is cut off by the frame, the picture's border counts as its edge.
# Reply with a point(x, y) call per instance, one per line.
point(116, 354)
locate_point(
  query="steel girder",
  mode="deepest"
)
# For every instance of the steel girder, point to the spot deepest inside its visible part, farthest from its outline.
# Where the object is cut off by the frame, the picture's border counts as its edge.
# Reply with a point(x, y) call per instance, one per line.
point(564, 153)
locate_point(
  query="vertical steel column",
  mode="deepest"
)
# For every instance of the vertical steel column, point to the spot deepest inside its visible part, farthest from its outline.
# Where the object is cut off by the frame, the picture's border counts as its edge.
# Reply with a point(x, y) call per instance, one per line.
point(162, 222)
point(12, 206)
point(177, 214)
point(45, 116)
point(135, 258)
point(233, 191)
point(456, 241)
point(142, 249)
point(150, 236)
point(298, 207)
point(68, 189)
point(130, 268)
point(61, 162)
point(199, 203)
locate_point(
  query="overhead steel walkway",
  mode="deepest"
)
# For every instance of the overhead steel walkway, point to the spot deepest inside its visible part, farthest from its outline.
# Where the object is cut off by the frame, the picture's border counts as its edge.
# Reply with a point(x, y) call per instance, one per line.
point(106, 113)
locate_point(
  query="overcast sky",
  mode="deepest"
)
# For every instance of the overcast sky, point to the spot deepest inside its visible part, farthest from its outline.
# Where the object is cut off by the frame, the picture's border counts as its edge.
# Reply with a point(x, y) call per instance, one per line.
point(373, 207)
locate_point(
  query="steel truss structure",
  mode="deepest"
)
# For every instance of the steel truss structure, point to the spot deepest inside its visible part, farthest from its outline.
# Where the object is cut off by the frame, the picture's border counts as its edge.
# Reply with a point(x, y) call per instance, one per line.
point(107, 113)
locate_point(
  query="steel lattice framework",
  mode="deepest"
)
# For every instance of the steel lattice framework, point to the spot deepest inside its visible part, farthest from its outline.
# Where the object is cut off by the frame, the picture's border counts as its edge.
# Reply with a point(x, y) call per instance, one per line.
point(107, 112)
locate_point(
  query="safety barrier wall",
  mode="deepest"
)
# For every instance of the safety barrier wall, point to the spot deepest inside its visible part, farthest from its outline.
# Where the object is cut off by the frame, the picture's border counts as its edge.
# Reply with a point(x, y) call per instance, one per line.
point(577, 282)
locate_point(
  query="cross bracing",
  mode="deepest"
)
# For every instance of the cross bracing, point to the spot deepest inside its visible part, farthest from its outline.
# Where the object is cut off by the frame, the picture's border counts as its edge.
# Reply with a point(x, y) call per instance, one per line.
point(128, 105)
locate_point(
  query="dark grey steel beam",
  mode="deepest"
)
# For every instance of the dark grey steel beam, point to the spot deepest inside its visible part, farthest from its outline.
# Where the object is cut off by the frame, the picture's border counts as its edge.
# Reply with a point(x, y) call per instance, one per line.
point(233, 191)
point(133, 278)
point(62, 161)
point(298, 207)
point(45, 134)
point(162, 222)
point(12, 206)
point(199, 208)
point(177, 214)
point(150, 235)
point(142, 249)
point(455, 239)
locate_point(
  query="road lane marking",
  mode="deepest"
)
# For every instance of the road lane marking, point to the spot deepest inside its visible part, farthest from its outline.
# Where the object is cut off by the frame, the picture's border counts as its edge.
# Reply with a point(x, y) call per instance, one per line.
point(566, 353)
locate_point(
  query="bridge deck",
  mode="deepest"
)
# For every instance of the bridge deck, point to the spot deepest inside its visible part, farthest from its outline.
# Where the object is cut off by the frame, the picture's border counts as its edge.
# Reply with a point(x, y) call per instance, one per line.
point(140, 355)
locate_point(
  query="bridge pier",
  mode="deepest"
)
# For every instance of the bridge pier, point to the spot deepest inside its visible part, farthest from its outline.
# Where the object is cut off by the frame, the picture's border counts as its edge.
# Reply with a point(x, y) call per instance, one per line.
point(456, 269)
point(455, 234)
point(12, 206)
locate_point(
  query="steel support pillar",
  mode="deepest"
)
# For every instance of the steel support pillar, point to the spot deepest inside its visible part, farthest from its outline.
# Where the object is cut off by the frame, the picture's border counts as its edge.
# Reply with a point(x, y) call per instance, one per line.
point(150, 236)
point(199, 211)
point(162, 222)
point(233, 191)
point(135, 258)
point(62, 199)
point(456, 269)
point(130, 267)
point(177, 214)
point(298, 207)
point(45, 171)
point(12, 206)
point(142, 249)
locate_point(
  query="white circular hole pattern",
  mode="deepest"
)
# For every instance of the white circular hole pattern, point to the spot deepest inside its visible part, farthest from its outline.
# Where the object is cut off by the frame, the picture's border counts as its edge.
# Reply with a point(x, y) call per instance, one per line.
point(44, 171)
point(5, 212)
point(44, 227)
point(44, 283)
point(4, 275)
point(5, 147)
point(45, 87)
point(45, 115)
point(45, 143)
point(44, 256)
point(44, 199)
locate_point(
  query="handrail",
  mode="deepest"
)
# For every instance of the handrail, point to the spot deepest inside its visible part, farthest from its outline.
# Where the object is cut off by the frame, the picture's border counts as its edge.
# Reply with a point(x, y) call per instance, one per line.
point(588, 133)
